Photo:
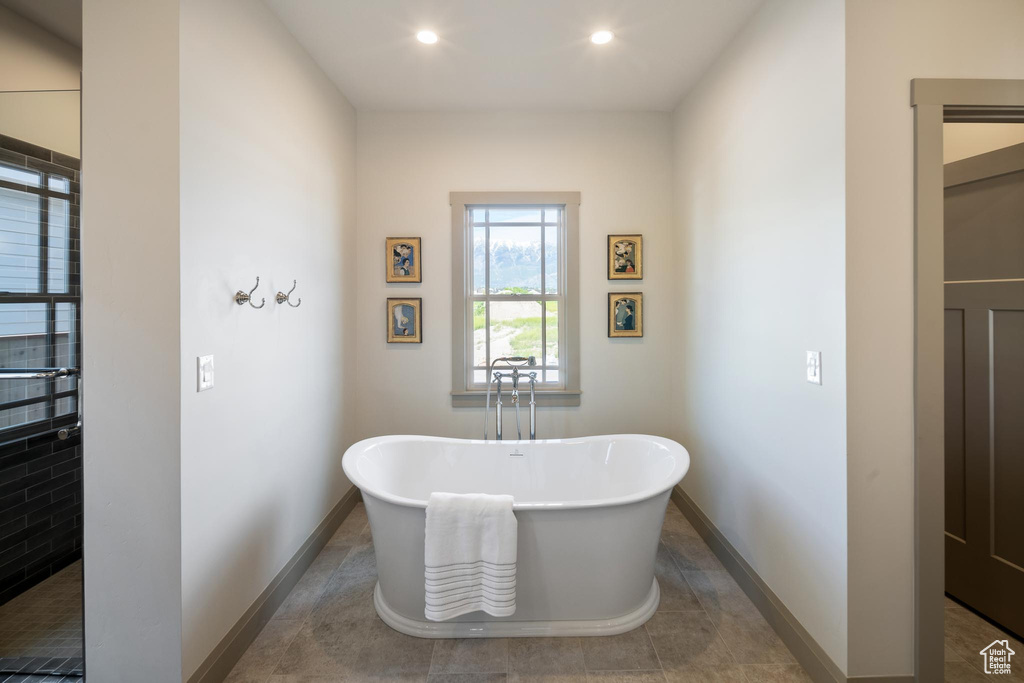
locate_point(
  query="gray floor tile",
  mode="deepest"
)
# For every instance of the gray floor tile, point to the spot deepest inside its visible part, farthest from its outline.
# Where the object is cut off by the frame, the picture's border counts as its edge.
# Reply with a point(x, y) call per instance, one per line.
point(676, 594)
point(562, 656)
point(470, 655)
point(347, 678)
point(676, 522)
point(690, 552)
point(753, 641)
point(687, 640)
point(776, 673)
point(307, 591)
point(716, 674)
point(547, 678)
point(341, 639)
point(339, 678)
point(352, 529)
point(626, 676)
point(962, 672)
point(348, 595)
point(719, 594)
point(624, 652)
point(260, 660)
point(367, 651)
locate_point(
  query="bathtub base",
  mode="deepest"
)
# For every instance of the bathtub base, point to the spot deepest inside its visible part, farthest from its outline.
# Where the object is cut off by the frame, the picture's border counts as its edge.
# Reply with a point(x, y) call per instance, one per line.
point(510, 628)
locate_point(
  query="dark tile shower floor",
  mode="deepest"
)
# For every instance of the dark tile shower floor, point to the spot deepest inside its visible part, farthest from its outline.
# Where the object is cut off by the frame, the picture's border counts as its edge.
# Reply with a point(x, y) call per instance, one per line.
point(41, 630)
point(706, 629)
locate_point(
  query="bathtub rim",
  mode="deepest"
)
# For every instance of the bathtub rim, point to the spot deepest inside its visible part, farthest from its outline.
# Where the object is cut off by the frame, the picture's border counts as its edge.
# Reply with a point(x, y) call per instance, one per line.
point(681, 455)
point(509, 628)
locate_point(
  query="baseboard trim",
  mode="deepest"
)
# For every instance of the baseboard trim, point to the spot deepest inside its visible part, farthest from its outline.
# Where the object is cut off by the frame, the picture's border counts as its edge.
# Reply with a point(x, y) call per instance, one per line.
point(216, 667)
point(808, 652)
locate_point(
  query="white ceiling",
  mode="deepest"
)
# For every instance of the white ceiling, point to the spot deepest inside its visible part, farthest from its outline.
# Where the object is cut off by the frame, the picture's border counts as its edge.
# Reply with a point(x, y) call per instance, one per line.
point(514, 54)
point(62, 18)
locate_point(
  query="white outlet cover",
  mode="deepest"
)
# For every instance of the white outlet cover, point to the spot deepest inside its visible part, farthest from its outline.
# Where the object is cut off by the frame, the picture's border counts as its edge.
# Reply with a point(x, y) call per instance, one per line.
point(814, 367)
point(204, 373)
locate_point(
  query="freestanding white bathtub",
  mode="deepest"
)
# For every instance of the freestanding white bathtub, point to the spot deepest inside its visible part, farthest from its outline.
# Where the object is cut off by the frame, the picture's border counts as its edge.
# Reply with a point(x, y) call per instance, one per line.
point(590, 512)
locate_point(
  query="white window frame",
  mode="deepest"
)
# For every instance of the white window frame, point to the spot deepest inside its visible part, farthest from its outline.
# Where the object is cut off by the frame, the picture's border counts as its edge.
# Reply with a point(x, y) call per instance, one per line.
point(464, 391)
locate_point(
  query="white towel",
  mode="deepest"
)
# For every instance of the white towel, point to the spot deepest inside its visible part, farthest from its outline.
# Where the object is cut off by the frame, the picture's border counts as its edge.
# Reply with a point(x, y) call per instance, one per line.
point(470, 555)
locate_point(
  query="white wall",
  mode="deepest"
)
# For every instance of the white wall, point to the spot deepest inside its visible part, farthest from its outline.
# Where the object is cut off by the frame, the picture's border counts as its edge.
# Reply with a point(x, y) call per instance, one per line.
point(407, 165)
point(35, 59)
point(48, 119)
point(35, 62)
point(962, 140)
point(267, 188)
point(759, 200)
point(888, 44)
point(130, 332)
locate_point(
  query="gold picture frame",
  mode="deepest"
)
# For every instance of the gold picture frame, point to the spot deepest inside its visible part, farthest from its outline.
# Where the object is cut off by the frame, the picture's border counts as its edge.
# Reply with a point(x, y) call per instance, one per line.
point(403, 259)
point(625, 257)
point(405, 321)
point(625, 314)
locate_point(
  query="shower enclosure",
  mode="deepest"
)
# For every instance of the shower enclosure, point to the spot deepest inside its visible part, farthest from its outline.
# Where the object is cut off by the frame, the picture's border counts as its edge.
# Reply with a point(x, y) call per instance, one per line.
point(40, 387)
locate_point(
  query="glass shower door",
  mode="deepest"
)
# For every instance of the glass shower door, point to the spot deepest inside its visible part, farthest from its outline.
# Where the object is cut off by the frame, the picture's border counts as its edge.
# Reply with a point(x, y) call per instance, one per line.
point(40, 355)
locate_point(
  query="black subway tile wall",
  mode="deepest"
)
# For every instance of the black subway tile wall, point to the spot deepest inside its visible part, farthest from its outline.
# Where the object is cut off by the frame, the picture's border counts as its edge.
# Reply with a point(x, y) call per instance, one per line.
point(40, 510)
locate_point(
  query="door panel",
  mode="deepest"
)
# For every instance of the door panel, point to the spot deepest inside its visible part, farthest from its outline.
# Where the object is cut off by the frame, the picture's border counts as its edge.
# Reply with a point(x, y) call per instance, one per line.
point(978, 244)
point(1007, 471)
point(984, 562)
point(956, 496)
point(984, 384)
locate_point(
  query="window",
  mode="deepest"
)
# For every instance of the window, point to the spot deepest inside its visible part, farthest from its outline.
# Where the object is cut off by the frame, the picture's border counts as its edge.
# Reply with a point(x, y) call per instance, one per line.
point(39, 286)
point(515, 285)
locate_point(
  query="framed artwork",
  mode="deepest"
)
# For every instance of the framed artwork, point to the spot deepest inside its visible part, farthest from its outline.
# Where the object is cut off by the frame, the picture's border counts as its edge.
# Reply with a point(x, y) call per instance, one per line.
point(403, 259)
point(405, 321)
point(625, 257)
point(625, 314)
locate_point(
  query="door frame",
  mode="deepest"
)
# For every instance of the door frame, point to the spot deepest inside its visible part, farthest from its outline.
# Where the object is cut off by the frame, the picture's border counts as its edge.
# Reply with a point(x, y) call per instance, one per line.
point(935, 101)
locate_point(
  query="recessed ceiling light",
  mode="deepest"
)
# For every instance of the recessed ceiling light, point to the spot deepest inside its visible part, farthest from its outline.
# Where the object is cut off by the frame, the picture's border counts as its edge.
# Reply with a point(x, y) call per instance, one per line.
point(601, 37)
point(427, 37)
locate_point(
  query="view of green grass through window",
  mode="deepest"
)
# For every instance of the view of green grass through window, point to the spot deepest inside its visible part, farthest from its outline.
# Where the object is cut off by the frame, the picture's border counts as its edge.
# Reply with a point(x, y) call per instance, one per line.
point(516, 289)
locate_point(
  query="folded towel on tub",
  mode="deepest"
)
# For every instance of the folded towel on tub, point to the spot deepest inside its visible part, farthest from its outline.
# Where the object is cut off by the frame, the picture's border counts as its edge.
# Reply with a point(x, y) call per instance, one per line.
point(470, 555)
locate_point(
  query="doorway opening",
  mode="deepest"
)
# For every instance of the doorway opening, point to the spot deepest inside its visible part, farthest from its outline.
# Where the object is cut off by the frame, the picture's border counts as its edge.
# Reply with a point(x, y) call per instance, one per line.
point(969, 449)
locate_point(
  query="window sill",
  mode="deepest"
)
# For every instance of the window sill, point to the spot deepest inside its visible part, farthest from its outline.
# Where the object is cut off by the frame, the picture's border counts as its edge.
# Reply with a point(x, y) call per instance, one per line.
point(555, 397)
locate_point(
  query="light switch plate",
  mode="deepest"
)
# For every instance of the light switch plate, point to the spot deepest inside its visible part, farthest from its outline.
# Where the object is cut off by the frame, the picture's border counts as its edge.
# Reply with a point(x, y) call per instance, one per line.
point(204, 372)
point(814, 367)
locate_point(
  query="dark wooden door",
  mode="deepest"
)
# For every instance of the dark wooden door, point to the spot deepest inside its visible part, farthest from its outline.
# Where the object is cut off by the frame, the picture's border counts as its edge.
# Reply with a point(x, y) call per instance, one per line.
point(984, 393)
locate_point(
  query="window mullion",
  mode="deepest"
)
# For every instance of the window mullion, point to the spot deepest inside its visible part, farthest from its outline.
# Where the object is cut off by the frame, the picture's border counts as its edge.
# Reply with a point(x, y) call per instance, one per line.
point(487, 293)
point(543, 244)
point(544, 334)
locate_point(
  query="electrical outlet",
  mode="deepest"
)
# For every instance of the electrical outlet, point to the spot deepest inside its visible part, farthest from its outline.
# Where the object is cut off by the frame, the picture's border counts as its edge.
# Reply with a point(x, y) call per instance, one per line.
point(814, 367)
point(204, 373)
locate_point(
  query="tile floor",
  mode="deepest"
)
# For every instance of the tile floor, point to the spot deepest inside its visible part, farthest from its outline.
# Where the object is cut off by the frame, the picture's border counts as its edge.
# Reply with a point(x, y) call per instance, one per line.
point(706, 630)
point(41, 629)
point(966, 635)
point(60, 670)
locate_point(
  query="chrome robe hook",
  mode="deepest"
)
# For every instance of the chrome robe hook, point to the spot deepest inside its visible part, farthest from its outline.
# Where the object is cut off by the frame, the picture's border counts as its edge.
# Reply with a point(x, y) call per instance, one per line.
point(283, 298)
point(243, 298)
